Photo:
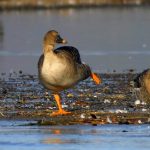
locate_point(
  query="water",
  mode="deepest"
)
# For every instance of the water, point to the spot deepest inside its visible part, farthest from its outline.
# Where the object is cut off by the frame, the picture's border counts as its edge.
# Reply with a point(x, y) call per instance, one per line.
point(107, 38)
point(105, 137)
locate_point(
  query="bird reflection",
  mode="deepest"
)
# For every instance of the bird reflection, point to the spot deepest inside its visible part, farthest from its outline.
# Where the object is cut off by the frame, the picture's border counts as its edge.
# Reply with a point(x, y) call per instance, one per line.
point(53, 140)
point(56, 137)
point(59, 136)
point(57, 131)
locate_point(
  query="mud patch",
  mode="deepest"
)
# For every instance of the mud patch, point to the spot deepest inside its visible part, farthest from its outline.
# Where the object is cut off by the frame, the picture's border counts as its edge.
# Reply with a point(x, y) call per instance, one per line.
point(114, 101)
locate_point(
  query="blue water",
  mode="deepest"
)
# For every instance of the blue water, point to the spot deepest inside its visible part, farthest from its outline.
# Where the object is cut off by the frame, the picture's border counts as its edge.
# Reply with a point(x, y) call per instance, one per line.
point(107, 39)
point(76, 137)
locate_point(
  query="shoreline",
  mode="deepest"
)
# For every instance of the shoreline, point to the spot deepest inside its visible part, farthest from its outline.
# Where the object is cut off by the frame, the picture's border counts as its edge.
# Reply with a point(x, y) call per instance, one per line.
point(38, 5)
point(32, 8)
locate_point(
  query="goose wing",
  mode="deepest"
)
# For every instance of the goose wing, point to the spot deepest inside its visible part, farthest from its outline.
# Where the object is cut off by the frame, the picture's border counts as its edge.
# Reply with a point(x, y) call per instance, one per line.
point(40, 62)
point(69, 51)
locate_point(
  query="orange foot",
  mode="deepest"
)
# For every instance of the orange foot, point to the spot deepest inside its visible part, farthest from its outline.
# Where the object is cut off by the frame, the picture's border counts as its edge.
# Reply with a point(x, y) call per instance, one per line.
point(60, 112)
point(95, 78)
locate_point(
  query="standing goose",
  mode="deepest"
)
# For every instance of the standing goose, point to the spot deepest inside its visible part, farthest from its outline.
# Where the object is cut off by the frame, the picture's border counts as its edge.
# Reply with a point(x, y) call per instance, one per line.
point(61, 68)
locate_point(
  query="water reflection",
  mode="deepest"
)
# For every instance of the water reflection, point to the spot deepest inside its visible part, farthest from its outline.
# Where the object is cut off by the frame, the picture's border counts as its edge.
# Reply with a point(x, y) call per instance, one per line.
point(52, 141)
point(64, 135)
point(67, 141)
point(89, 135)
point(62, 12)
point(73, 137)
point(55, 139)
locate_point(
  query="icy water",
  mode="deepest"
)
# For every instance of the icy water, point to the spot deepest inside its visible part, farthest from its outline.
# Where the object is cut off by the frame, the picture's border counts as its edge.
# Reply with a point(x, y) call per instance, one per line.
point(14, 136)
point(107, 38)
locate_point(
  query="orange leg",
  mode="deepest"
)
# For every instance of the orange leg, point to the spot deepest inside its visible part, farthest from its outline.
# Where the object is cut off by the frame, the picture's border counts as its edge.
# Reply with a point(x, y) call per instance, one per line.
point(95, 78)
point(60, 111)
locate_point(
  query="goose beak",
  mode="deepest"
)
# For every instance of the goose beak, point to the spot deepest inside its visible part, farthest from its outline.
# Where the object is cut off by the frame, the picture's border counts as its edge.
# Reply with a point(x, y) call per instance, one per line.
point(60, 40)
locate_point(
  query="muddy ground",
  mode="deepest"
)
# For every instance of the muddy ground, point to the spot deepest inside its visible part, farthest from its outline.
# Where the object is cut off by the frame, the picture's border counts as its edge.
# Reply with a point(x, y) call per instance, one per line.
point(115, 101)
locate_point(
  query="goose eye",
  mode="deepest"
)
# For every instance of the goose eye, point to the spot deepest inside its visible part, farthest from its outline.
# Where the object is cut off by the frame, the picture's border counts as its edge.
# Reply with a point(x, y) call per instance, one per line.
point(59, 39)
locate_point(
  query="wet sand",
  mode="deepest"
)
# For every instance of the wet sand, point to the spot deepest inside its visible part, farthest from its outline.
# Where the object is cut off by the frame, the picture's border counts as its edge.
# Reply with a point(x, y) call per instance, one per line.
point(115, 101)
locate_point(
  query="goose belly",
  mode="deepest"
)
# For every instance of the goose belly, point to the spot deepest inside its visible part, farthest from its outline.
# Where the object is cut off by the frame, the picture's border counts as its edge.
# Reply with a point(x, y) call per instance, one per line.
point(58, 74)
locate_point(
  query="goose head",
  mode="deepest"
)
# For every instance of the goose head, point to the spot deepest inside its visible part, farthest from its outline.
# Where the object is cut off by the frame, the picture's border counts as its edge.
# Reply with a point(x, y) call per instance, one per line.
point(52, 37)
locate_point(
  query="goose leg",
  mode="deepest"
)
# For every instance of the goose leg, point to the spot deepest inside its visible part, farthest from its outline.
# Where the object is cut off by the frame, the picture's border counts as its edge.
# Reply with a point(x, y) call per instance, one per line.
point(60, 111)
point(95, 78)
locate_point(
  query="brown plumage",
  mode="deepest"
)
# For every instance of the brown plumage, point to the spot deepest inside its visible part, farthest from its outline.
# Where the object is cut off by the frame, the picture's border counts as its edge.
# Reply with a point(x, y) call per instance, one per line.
point(143, 80)
point(61, 68)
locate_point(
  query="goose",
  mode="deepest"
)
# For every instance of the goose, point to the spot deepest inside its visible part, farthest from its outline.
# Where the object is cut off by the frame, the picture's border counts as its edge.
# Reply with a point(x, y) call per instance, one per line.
point(143, 80)
point(61, 68)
